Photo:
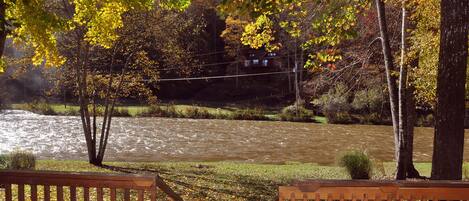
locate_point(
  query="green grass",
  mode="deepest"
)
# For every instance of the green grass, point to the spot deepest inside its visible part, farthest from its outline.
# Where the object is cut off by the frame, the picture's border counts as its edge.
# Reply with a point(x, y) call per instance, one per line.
point(225, 180)
point(135, 110)
point(320, 119)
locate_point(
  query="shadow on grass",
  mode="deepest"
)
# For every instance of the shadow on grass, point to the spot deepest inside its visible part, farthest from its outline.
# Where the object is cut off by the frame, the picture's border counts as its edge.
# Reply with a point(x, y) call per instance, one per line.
point(206, 184)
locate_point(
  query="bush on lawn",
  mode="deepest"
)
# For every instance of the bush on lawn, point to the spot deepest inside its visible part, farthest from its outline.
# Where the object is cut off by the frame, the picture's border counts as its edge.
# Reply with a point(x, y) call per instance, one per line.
point(18, 160)
point(357, 164)
point(294, 113)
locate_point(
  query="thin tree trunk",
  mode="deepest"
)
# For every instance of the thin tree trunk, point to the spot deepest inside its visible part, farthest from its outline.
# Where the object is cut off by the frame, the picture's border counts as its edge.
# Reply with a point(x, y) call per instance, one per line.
point(403, 127)
point(448, 145)
point(81, 91)
point(108, 115)
point(391, 81)
point(106, 105)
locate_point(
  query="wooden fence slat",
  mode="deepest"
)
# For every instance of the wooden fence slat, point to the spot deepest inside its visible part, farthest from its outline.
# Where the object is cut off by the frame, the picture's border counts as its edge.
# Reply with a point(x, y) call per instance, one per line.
point(60, 193)
point(153, 194)
point(33, 193)
point(126, 195)
point(8, 192)
point(20, 192)
point(86, 194)
point(73, 193)
point(113, 194)
point(329, 197)
point(141, 195)
point(378, 197)
point(99, 193)
point(46, 193)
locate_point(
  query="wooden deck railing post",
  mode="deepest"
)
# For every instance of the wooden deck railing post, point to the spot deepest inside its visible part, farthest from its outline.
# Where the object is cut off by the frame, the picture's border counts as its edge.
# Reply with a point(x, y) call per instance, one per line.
point(46, 193)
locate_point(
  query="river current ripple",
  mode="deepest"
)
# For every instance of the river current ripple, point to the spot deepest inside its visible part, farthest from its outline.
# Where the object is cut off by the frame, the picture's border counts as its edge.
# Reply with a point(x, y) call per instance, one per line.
point(168, 139)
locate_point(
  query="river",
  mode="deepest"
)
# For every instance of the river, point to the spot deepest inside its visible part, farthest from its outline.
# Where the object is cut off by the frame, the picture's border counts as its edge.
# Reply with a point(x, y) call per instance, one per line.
point(169, 139)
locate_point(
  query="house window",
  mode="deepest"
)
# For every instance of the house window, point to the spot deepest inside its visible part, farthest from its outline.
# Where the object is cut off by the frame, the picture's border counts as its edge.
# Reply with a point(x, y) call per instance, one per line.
point(271, 54)
point(265, 62)
point(247, 63)
point(255, 61)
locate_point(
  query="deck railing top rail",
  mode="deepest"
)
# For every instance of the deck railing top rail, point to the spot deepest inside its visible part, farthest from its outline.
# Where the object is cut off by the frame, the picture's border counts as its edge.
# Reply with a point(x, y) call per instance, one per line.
point(372, 183)
point(374, 190)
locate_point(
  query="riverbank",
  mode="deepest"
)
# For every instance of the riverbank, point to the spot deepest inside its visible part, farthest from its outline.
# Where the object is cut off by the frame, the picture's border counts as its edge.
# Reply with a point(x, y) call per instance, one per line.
point(225, 180)
point(180, 111)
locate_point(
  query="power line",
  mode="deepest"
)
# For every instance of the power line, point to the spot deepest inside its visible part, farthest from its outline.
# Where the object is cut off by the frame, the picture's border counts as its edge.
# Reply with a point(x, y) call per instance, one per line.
point(200, 65)
point(213, 64)
point(223, 76)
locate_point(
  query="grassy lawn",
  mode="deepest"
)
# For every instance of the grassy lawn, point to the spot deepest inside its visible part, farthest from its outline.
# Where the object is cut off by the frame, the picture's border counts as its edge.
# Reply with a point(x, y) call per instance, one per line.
point(225, 180)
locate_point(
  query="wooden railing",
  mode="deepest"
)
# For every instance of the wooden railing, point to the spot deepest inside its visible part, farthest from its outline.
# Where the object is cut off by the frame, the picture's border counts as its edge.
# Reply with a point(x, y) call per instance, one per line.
point(81, 186)
point(374, 190)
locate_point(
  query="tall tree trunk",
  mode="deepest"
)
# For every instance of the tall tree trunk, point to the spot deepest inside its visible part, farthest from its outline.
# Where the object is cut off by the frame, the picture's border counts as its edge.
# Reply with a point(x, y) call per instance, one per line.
point(392, 86)
point(448, 145)
point(3, 27)
point(409, 136)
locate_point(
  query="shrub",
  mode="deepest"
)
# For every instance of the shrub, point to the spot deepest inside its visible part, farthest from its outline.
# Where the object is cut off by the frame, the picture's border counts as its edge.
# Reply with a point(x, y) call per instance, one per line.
point(250, 114)
point(368, 100)
point(4, 160)
point(335, 106)
point(121, 112)
point(20, 160)
point(294, 113)
point(374, 118)
point(2, 105)
point(357, 164)
point(197, 113)
point(39, 107)
point(426, 120)
point(160, 111)
point(70, 112)
point(339, 117)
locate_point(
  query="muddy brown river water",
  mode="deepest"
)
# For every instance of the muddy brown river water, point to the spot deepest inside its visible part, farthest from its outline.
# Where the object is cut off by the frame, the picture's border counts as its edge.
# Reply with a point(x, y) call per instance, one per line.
point(165, 139)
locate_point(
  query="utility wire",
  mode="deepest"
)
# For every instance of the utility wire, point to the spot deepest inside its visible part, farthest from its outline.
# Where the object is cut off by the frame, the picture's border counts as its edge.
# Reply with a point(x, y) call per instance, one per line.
point(222, 76)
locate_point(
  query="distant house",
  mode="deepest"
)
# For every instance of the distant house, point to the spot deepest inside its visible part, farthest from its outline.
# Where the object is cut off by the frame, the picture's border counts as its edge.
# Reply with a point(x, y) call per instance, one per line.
point(261, 59)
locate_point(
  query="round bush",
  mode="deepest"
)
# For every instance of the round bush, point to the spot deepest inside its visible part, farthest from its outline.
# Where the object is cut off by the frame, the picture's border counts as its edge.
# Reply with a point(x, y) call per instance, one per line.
point(20, 160)
point(357, 164)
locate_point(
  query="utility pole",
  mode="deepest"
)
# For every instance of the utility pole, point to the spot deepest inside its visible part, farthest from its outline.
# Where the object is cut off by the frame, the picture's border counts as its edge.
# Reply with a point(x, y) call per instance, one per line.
point(301, 72)
point(289, 74)
point(297, 87)
point(237, 66)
